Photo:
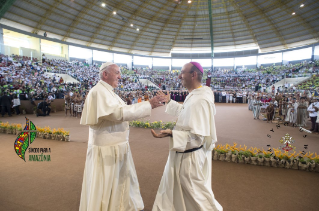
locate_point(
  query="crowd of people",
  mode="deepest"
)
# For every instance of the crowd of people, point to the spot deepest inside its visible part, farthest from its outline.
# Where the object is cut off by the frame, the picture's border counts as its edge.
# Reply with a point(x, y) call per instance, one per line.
point(291, 109)
point(24, 79)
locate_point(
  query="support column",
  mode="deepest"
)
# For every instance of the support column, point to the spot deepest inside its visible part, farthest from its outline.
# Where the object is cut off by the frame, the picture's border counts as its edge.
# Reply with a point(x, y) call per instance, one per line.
point(211, 26)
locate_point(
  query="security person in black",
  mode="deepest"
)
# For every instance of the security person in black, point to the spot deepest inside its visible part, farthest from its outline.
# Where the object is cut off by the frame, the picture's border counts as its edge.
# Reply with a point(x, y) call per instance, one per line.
point(5, 102)
point(44, 106)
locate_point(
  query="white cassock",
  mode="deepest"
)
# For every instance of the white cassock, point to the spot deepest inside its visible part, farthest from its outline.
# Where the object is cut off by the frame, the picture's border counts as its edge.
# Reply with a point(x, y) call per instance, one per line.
point(186, 181)
point(110, 181)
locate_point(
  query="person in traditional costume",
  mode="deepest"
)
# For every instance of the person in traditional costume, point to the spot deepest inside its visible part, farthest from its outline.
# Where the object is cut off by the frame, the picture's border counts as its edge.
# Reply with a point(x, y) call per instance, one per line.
point(284, 107)
point(302, 113)
point(270, 110)
point(289, 107)
point(186, 181)
point(110, 181)
point(250, 102)
point(256, 107)
point(293, 114)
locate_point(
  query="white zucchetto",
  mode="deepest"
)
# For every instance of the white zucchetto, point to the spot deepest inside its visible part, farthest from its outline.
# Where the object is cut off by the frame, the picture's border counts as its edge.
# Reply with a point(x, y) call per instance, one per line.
point(104, 65)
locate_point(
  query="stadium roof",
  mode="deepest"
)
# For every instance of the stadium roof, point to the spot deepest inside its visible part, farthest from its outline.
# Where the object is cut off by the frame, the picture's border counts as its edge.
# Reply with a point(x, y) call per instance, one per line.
point(156, 27)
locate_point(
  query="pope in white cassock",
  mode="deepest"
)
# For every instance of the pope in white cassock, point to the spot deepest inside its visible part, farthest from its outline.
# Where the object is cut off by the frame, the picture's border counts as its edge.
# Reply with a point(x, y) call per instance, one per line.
point(186, 182)
point(110, 181)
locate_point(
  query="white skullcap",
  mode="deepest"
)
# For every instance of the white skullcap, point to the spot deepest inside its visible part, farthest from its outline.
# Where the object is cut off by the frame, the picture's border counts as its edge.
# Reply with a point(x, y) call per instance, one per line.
point(104, 65)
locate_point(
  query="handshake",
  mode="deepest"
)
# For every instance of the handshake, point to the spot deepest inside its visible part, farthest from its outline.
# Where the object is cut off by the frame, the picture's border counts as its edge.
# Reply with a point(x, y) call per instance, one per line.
point(159, 99)
point(155, 102)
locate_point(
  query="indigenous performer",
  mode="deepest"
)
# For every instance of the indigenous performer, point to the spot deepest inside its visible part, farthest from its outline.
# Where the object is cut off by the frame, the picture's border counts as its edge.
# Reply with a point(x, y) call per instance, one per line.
point(289, 107)
point(250, 102)
point(110, 181)
point(67, 99)
point(186, 182)
point(284, 108)
point(293, 114)
point(280, 107)
point(302, 113)
point(256, 107)
point(78, 105)
point(270, 112)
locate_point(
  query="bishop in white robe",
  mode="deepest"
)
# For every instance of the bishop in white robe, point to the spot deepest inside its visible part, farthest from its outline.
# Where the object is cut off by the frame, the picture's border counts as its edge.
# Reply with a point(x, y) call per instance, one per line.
point(186, 181)
point(110, 181)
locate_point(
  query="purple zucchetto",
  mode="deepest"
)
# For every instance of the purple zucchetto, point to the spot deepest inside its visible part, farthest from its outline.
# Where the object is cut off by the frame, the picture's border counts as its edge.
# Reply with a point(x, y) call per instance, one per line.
point(199, 67)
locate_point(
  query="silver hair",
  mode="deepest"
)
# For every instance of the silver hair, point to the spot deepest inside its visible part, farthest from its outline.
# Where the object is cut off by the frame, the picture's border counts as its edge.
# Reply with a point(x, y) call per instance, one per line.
point(103, 70)
point(105, 67)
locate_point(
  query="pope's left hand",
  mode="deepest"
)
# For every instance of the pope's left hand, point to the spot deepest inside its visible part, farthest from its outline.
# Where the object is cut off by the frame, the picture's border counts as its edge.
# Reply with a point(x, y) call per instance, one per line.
point(164, 133)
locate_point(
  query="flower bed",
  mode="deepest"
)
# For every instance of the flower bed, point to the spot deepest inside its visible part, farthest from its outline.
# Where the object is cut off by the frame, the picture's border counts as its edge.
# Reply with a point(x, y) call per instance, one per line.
point(45, 132)
point(153, 125)
point(271, 158)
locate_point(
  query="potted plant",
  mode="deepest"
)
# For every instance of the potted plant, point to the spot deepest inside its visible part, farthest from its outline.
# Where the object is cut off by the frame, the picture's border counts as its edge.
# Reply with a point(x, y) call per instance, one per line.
point(59, 133)
point(10, 129)
point(54, 134)
point(234, 156)
point(228, 155)
point(13, 128)
point(274, 161)
point(47, 133)
point(18, 129)
point(253, 159)
point(303, 165)
point(241, 158)
point(281, 161)
point(261, 159)
point(3, 127)
point(295, 163)
point(267, 158)
point(216, 154)
point(247, 155)
point(312, 164)
point(222, 155)
point(67, 136)
point(40, 132)
point(288, 161)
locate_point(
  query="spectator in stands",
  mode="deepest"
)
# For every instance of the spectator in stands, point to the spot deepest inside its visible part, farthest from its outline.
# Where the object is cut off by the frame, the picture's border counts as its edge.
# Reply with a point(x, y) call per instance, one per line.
point(43, 58)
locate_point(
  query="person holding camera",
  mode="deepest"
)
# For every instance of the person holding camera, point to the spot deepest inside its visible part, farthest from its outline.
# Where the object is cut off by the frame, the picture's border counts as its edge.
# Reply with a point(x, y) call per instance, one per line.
point(44, 107)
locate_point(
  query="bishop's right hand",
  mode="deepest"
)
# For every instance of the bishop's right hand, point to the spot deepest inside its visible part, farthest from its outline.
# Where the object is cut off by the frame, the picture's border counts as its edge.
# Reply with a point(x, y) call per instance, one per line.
point(157, 101)
point(168, 96)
